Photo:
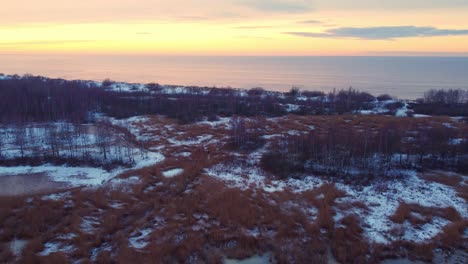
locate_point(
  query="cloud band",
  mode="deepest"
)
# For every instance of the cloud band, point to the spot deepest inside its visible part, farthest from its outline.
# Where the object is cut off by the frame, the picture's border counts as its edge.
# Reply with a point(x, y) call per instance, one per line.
point(376, 33)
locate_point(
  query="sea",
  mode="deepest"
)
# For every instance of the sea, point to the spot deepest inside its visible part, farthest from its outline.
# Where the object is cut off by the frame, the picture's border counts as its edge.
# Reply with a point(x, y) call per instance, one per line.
point(402, 77)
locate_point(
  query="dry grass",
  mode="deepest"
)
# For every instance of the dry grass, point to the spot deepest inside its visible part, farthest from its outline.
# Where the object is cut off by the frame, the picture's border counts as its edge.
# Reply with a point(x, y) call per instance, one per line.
point(418, 215)
point(348, 244)
point(197, 217)
point(444, 178)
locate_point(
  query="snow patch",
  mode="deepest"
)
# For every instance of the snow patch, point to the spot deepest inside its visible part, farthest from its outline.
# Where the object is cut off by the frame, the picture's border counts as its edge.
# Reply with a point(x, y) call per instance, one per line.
point(222, 122)
point(402, 112)
point(257, 259)
point(172, 172)
point(95, 251)
point(420, 116)
point(89, 224)
point(52, 247)
point(194, 141)
point(67, 236)
point(456, 141)
point(5, 77)
point(126, 184)
point(139, 238)
point(56, 196)
point(183, 154)
point(17, 246)
point(292, 108)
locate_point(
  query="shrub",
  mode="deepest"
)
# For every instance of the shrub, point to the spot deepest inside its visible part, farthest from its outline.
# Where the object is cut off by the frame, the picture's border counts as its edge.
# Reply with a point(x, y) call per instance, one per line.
point(107, 82)
point(153, 86)
point(257, 91)
point(283, 166)
point(384, 97)
point(394, 106)
point(294, 92)
point(311, 94)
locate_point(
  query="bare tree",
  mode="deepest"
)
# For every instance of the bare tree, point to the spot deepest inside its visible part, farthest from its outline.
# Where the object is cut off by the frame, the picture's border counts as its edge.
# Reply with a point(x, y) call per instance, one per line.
point(103, 139)
point(1, 143)
point(20, 138)
point(52, 140)
point(238, 131)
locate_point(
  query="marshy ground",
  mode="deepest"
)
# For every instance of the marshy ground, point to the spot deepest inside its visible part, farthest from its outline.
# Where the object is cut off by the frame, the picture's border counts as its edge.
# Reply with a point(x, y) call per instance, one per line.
point(192, 198)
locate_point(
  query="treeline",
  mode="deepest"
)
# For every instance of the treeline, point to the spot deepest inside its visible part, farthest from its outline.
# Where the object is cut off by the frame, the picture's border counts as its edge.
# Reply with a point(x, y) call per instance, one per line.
point(38, 99)
point(450, 96)
point(452, 102)
point(368, 152)
point(190, 107)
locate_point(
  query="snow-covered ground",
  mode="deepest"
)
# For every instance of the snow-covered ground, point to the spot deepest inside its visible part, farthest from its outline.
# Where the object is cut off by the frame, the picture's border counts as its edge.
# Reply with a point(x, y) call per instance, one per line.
point(137, 126)
point(383, 107)
point(383, 200)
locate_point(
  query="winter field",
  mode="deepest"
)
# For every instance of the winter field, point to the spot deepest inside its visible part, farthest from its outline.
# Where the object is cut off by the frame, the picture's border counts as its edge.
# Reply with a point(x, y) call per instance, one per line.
point(360, 187)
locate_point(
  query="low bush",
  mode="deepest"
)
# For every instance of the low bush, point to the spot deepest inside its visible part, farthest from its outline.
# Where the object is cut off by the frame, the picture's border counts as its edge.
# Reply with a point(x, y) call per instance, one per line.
point(312, 94)
point(384, 97)
point(281, 165)
point(107, 82)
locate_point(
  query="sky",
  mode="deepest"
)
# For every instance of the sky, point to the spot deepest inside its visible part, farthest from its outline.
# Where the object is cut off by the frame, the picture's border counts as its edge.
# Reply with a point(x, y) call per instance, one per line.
point(235, 27)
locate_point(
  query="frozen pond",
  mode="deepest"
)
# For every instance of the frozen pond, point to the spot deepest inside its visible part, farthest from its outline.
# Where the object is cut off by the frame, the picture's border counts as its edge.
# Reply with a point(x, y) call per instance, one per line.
point(27, 184)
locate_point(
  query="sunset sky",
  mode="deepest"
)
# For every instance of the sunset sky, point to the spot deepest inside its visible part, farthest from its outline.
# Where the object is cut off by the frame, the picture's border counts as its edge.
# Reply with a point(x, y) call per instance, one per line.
point(235, 27)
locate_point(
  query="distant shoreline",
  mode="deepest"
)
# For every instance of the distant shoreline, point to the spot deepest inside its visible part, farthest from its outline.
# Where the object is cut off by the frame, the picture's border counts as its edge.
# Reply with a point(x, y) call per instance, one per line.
point(404, 77)
point(451, 102)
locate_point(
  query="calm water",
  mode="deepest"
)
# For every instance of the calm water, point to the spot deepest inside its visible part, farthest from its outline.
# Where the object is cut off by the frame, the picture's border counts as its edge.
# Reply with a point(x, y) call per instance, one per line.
point(405, 77)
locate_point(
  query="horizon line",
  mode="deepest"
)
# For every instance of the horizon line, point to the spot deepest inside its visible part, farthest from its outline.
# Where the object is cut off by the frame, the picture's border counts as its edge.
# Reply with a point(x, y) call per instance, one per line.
point(421, 55)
